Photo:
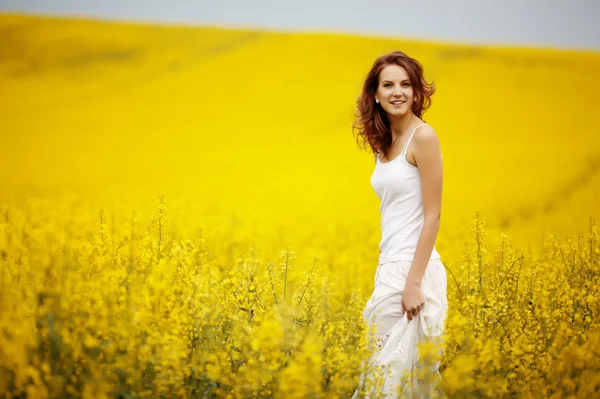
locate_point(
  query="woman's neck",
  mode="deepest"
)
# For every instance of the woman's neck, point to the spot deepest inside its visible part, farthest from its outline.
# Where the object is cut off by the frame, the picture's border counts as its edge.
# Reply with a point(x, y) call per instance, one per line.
point(401, 125)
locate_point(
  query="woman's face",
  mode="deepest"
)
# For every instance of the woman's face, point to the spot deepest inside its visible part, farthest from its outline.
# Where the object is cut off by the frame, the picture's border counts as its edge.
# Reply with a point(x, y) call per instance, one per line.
point(395, 92)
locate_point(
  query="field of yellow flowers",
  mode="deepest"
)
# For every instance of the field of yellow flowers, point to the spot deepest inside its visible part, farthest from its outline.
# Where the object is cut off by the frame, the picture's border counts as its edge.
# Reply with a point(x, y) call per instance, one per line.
point(184, 212)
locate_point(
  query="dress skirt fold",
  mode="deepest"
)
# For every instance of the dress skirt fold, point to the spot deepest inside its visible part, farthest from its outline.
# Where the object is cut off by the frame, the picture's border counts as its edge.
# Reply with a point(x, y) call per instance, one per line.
point(396, 337)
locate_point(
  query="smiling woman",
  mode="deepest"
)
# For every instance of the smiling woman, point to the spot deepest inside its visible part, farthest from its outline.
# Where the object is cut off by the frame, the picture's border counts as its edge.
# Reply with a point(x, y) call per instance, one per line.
point(408, 304)
point(394, 80)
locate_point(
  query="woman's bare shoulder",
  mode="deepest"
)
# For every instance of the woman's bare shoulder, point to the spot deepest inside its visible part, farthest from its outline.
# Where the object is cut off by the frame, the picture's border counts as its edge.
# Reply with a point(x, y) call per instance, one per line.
point(425, 137)
point(425, 132)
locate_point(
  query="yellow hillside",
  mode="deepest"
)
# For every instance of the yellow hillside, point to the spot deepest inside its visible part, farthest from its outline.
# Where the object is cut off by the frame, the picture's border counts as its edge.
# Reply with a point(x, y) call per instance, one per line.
point(258, 120)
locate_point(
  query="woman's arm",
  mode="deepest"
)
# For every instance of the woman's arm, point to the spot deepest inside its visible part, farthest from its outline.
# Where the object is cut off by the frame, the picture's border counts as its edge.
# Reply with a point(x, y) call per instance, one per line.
point(428, 155)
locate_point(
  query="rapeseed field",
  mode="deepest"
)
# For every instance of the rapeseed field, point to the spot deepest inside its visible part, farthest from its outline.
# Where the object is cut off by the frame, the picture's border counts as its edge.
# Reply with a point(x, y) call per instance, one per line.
point(184, 212)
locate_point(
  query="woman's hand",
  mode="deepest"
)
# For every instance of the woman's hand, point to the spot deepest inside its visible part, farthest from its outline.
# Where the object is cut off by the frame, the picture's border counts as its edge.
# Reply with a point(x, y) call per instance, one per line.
point(413, 299)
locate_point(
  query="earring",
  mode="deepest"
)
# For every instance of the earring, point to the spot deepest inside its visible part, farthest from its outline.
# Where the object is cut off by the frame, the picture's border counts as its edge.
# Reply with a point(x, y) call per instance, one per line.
point(377, 100)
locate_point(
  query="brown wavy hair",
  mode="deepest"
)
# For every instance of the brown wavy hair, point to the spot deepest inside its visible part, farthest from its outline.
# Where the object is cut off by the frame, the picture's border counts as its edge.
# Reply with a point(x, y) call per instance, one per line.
point(371, 122)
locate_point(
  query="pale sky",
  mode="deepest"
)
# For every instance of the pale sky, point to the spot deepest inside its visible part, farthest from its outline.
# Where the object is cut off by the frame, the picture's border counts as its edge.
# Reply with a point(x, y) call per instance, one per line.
point(553, 23)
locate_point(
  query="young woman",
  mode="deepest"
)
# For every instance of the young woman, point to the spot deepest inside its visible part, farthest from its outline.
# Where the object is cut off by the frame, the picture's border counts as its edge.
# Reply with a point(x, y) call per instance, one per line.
point(408, 304)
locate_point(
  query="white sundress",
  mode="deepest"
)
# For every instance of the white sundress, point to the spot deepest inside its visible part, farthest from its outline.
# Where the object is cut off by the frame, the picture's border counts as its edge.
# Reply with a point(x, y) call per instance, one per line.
point(397, 184)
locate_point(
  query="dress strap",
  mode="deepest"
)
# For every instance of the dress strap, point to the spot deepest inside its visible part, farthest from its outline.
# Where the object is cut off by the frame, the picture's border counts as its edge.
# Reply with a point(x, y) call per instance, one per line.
point(410, 138)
